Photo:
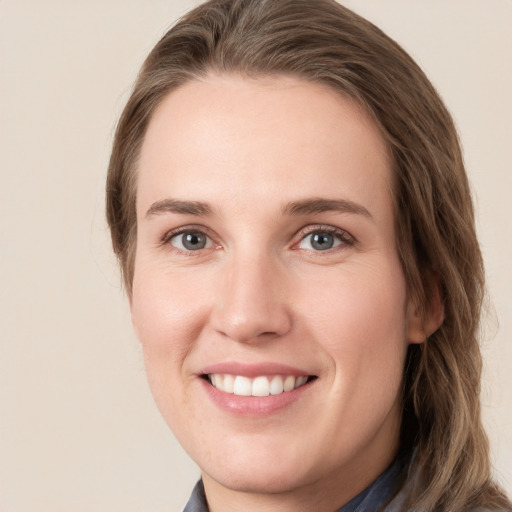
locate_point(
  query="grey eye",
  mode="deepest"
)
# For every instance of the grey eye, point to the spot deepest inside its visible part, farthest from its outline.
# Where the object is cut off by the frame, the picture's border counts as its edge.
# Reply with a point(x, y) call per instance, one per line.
point(320, 241)
point(191, 241)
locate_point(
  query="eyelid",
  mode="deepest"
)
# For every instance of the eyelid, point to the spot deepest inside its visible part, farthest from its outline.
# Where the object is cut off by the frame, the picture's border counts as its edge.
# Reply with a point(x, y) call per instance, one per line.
point(342, 234)
point(165, 240)
point(347, 238)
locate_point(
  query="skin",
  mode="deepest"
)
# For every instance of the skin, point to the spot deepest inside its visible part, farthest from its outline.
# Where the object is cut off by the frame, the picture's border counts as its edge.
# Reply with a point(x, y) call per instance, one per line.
point(260, 292)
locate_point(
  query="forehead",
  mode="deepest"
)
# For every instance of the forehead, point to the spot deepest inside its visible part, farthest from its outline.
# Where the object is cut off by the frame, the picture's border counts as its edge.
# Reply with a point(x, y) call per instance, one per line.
point(227, 136)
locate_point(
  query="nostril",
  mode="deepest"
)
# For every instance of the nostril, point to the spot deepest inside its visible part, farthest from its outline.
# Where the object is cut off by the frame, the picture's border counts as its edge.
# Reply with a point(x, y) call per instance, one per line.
point(268, 333)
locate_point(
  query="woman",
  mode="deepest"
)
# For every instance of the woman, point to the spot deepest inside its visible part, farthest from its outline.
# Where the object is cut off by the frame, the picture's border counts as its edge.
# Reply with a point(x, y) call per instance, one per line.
point(288, 201)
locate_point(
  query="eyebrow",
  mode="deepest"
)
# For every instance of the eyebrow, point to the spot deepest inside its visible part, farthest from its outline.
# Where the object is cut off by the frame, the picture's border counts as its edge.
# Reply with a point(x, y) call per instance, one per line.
point(319, 205)
point(303, 207)
point(176, 206)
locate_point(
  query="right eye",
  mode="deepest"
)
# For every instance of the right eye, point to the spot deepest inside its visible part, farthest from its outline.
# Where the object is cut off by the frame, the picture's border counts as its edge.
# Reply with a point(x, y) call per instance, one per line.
point(191, 241)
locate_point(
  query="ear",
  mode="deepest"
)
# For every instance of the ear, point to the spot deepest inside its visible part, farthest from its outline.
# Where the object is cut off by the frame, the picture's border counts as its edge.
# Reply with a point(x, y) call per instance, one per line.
point(422, 322)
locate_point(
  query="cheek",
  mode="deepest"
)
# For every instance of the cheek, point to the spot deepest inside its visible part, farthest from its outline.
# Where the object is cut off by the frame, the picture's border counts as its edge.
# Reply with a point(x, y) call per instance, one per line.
point(163, 307)
point(360, 317)
point(167, 316)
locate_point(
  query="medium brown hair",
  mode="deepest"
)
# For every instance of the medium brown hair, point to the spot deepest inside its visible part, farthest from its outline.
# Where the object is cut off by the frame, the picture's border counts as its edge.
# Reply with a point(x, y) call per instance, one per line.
point(321, 41)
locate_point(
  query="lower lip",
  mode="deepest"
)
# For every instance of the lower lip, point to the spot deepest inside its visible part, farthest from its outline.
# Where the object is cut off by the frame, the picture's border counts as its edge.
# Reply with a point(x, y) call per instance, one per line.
point(254, 405)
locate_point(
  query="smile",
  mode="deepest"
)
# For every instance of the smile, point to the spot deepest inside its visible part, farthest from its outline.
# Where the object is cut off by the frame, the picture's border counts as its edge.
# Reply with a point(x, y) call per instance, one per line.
point(241, 385)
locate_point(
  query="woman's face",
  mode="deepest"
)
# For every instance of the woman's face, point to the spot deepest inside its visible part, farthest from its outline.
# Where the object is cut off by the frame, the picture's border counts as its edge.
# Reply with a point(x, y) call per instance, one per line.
point(268, 294)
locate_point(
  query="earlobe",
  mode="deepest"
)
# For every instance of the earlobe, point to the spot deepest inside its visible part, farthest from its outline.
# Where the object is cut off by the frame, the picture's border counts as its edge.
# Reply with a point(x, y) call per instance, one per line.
point(422, 323)
point(415, 330)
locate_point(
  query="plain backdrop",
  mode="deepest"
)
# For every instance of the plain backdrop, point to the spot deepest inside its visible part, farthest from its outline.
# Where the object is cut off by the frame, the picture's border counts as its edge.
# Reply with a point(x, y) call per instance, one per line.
point(78, 427)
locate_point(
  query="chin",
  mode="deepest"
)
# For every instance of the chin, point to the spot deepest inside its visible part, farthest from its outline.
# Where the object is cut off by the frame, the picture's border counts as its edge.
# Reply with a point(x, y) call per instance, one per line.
point(262, 469)
point(271, 479)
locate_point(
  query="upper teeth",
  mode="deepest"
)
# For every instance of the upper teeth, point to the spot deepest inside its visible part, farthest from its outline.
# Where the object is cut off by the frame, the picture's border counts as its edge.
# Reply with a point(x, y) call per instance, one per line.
point(259, 386)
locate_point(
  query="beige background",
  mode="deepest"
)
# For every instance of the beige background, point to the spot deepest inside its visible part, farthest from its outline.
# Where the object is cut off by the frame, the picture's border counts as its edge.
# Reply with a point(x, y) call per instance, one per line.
point(78, 428)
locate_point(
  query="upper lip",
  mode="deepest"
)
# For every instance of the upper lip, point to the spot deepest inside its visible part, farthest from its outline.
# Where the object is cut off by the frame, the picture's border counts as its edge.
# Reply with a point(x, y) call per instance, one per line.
point(252, 369)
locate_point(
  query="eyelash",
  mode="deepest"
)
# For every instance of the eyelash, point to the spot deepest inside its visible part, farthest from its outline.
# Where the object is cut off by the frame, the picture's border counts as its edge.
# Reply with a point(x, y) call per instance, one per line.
point(167, 238)
point(343, 236)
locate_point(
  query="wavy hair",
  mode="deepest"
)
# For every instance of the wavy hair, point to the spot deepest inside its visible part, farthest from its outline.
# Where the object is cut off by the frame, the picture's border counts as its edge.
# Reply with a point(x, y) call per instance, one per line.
point(322, 41)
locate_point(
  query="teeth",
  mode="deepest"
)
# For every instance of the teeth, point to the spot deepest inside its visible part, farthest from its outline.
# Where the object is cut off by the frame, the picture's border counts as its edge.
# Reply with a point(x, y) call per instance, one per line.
point(289, 383)
point(243, 386)
point(227, 383)
point(300, 381)
point(276, 386)
point(259, 386)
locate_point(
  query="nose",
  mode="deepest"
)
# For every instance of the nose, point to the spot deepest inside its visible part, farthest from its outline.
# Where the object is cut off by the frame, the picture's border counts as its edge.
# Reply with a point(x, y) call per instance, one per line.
point(251, 302)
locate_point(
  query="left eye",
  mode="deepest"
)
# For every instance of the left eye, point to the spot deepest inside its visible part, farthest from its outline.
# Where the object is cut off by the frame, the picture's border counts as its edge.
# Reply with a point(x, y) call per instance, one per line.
point(320, 241)
point(191, 241)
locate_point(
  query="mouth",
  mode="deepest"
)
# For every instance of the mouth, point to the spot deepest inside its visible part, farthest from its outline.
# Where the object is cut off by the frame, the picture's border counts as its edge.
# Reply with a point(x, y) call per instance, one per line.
point(258, 386)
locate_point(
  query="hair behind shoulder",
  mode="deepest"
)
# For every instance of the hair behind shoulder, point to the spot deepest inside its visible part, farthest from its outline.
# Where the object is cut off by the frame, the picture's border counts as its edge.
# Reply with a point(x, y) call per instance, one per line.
point(322, 41)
